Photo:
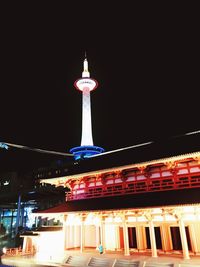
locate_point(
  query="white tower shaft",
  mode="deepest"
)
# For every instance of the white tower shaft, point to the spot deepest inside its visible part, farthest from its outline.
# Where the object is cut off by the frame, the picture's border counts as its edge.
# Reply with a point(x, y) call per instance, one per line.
point(86, 138)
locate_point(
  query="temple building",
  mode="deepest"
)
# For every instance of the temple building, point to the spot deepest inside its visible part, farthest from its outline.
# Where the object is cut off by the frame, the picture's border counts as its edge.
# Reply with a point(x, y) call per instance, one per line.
point(143, 199)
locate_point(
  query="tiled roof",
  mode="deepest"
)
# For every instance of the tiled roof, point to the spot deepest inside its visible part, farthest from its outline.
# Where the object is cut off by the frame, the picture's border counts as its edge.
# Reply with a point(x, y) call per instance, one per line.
point(143, 200)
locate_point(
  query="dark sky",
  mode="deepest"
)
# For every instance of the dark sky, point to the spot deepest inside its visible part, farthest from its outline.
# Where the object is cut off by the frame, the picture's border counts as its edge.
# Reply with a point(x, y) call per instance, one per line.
point(145, 60)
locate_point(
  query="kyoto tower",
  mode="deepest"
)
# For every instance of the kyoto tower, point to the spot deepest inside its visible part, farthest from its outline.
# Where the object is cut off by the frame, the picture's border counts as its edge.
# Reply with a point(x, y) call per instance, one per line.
point(85, 85)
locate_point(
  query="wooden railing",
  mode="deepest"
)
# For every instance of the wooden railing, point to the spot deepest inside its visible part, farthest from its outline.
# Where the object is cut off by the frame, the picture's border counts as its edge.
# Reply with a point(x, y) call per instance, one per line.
point(19, 252)
point(172, 182)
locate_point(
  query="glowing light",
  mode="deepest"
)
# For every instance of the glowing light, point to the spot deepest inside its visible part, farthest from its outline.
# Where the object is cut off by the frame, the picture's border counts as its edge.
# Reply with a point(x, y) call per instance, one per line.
point(86, 82)
point(52, 251)
point(30, 217)
point(85, 72)
point(195, 132)
point(4, 146)
point(85, 151)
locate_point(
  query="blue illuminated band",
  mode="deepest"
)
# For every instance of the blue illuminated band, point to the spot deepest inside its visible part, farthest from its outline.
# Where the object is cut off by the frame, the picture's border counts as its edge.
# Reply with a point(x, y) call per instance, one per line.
point(81, 152)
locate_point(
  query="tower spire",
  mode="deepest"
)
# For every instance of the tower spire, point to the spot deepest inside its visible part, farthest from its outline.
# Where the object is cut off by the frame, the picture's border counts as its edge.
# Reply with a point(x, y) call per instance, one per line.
point(85, 73)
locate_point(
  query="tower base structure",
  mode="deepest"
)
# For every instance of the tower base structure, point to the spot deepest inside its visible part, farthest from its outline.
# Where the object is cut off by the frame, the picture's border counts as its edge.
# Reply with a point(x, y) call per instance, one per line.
point(81, 152)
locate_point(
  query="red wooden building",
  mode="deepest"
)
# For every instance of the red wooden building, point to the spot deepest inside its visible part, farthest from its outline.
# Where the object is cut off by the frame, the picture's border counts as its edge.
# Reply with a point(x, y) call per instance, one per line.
point(144, 199)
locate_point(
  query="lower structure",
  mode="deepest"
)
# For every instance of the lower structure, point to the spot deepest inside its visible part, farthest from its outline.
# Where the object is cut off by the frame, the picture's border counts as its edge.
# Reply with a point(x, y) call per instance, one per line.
point(148, 207)
point(154, 230)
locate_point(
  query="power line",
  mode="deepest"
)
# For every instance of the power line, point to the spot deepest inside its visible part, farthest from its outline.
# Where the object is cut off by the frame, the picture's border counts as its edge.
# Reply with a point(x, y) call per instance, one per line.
point(5, 145)
point(143, 144)
point(120, 149)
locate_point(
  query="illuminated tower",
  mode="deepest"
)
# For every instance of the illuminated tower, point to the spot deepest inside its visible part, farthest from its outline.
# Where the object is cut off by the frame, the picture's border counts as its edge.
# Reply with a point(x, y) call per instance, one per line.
point(85, 85)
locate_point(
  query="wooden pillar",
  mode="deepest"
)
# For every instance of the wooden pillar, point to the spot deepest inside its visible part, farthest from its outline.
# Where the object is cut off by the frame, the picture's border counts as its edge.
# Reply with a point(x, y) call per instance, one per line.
point(183, 239)
point(126, 241)
point(97, 236)
point(152, 239)
point(138, 237)
point(24, 244)
point(82, 236)
point(164, 237)
point(71, 236)
point(64, 231)
point(102, 233)
point(117, 247)
point(193, 239)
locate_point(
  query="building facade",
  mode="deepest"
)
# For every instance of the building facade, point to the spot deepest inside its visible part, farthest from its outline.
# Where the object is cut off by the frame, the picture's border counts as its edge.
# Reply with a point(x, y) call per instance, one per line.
point(148, 207)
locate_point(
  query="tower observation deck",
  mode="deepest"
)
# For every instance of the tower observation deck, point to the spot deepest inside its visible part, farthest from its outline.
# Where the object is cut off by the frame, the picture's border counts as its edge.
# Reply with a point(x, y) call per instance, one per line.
point(86, 85)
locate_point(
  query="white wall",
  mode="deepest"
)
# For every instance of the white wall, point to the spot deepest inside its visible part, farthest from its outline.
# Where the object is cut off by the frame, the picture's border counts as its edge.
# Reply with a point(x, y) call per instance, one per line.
point(90, 236)
point(72, 236)
point(50, 246)
point(111, 237)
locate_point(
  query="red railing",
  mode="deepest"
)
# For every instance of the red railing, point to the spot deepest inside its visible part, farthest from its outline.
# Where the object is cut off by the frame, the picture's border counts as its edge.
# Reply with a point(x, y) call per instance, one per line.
point(172, 182)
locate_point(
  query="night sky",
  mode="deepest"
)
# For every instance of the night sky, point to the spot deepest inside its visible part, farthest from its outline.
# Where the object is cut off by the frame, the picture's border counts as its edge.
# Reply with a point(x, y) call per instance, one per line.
point(146, 64)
